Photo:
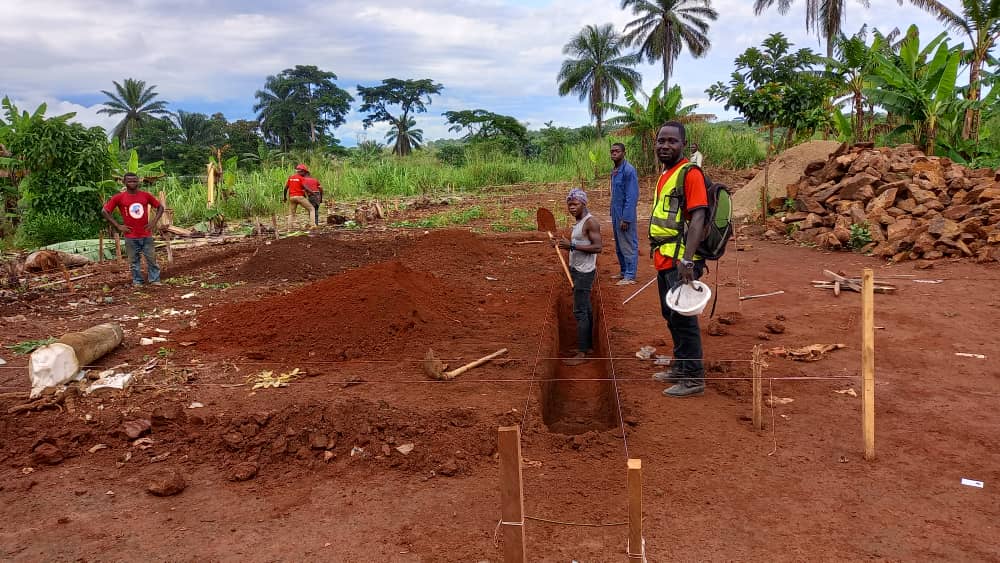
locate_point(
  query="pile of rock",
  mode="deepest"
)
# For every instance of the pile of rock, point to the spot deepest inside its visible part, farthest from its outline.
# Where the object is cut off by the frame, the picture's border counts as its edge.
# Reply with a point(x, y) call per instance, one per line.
point(912, 206)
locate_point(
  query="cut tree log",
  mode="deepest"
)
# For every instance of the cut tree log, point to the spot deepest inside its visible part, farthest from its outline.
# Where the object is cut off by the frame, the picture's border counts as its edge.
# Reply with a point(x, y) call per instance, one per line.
point(179, 231)
point(57, 363)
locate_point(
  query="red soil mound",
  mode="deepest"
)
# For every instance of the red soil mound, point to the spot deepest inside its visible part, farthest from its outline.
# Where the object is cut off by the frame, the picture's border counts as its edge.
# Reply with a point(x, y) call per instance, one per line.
point(358, 314)
point(452, 242)
point(322, 256)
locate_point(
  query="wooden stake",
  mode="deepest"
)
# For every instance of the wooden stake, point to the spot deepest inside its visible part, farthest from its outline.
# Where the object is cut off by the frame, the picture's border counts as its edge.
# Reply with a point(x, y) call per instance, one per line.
point(166, 221)
point(868, 362)
point(636, 551)
point(511, 495)
point(210, 184)
point(758, 368)
point(274, 223)
point(118, 244)
point(100, 246)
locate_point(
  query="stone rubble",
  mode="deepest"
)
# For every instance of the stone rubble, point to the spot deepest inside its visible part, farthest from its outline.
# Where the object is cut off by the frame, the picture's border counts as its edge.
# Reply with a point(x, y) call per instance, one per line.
point(914, 206)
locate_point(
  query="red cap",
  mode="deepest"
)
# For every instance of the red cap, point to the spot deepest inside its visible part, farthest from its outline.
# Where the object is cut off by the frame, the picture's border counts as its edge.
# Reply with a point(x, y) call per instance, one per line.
point(302, 167)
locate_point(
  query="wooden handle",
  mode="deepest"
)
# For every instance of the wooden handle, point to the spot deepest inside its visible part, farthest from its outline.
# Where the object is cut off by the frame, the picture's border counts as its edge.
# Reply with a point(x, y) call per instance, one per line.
point(562, 261)
point(459, 371)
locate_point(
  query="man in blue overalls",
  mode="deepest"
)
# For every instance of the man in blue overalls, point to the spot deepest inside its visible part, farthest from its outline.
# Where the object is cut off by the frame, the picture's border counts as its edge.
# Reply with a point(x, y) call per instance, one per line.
point(624, 197)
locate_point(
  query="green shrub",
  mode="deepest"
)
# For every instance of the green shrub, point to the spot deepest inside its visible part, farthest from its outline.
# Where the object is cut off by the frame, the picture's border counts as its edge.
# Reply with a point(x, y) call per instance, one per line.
point(41, 229)
point(451, 154)
point(860, 236)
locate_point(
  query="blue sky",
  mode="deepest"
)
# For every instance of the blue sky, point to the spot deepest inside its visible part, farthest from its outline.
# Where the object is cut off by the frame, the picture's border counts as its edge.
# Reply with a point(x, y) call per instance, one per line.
point(499, 55)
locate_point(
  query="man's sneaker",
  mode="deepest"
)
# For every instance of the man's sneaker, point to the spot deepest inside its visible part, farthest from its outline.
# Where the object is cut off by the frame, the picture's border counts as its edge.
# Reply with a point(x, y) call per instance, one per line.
point(579, 359)
point(156, 283)
point(686, 388)
point(626, 281)
point(616, 277)
point(667, 376)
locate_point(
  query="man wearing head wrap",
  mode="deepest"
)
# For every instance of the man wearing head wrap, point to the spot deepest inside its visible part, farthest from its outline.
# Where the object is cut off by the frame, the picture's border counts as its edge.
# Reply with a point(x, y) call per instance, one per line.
point(295, 195)
point(584, 245)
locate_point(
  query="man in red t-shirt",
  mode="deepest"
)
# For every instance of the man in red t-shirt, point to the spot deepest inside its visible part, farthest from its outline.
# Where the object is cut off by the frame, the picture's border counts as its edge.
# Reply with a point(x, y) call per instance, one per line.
point(136, 227)
point(295, 195)
point(677, 267)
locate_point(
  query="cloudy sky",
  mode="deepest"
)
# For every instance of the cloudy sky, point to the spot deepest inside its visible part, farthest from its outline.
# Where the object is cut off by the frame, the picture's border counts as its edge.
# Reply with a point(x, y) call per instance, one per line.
point(499, 55)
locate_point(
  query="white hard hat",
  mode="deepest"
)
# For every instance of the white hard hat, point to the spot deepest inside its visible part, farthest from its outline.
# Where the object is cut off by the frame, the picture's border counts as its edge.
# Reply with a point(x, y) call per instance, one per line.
point(689, 299)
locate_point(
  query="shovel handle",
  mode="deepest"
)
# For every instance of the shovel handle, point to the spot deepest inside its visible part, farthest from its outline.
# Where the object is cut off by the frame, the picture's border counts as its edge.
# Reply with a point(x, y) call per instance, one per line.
point(459, 371)
point(562, 261)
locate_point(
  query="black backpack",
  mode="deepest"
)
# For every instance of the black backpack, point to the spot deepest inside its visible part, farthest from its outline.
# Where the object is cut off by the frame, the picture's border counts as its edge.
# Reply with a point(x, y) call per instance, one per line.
point(719, 221)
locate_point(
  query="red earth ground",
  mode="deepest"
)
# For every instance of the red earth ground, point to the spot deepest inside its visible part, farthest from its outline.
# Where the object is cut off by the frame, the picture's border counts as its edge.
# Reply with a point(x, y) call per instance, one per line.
point(357, 311)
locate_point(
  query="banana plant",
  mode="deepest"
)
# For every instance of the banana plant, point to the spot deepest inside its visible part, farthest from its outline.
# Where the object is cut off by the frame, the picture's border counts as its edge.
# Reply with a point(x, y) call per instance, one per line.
point(147, 172)
point(642, 118)
point(919, 90)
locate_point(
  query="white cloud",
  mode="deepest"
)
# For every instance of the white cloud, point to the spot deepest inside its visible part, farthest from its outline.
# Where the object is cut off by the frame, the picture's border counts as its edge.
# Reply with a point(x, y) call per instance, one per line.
point(501, 55)
point(85, 115)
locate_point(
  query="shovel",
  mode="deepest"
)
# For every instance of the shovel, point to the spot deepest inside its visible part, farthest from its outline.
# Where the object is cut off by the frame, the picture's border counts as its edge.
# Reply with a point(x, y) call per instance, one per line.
point(547, 222)
point(436, 370)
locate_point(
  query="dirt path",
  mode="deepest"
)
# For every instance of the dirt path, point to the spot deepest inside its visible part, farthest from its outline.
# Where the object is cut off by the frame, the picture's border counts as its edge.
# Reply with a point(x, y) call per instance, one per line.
point(713, 488)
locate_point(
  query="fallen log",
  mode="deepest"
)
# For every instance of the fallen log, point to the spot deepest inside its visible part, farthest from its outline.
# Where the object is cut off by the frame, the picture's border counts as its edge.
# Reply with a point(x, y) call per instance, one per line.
point(179, 231)
point(59, 362)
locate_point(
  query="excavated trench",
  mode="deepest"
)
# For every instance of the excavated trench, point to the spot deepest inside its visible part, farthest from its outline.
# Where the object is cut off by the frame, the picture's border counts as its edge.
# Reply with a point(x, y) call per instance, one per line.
point(571, 406)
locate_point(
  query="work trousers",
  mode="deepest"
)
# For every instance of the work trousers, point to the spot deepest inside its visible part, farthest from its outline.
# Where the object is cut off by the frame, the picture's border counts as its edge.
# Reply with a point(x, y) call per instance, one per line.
point(684, 331)
point(135, 249)
point(583, 282)
point(626, 247)
point(303, 202)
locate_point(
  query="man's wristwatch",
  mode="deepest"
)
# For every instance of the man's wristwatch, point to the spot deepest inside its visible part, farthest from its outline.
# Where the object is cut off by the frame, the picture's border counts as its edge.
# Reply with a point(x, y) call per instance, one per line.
point(687, 264)
point(572, 246)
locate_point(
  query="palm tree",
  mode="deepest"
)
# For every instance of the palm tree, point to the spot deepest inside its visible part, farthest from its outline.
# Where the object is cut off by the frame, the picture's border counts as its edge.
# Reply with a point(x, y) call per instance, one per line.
point(598, 67)
point(405, 136)
point(854, 63)
point(275, 109)
point(665, 26)
point(826, 17)
point(980, 20)
point(196, 129)
point(135, 101)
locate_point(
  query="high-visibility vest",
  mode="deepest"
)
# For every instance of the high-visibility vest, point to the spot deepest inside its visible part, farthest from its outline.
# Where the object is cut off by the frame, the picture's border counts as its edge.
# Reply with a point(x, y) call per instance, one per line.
point(667, 219)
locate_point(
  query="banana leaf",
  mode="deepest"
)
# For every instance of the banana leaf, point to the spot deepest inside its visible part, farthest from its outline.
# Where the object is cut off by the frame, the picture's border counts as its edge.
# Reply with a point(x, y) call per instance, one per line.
point(88, 248)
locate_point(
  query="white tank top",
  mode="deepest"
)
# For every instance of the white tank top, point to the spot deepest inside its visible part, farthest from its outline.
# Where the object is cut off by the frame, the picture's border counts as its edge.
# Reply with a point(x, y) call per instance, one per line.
point(579, 260)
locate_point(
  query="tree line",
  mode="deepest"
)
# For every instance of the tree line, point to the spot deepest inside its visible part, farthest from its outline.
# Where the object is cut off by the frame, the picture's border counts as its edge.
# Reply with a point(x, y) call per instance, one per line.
point(891, 84)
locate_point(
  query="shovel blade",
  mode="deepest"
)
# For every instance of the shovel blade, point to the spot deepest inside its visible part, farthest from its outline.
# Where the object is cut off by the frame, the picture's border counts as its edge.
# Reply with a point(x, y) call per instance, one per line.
point(545, 220)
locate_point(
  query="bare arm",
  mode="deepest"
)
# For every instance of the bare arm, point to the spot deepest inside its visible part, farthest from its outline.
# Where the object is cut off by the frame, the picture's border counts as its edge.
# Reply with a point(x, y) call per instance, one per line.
point(695, 232)
point(592, 230)
point(110, 219)
point(156, 219)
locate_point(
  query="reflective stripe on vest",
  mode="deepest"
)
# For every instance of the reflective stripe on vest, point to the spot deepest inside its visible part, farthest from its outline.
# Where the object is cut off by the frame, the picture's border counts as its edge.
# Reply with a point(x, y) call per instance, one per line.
point(667, 217)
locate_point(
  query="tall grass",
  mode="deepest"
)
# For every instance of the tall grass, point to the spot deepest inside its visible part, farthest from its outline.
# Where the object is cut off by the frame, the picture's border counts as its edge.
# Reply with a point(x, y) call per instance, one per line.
point(732, 147)
point(259, 192)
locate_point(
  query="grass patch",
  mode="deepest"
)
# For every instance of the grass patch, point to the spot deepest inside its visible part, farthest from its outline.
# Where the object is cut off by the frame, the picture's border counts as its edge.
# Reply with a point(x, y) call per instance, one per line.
point(728, 145)
point(515, 220)
point(446, 219)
